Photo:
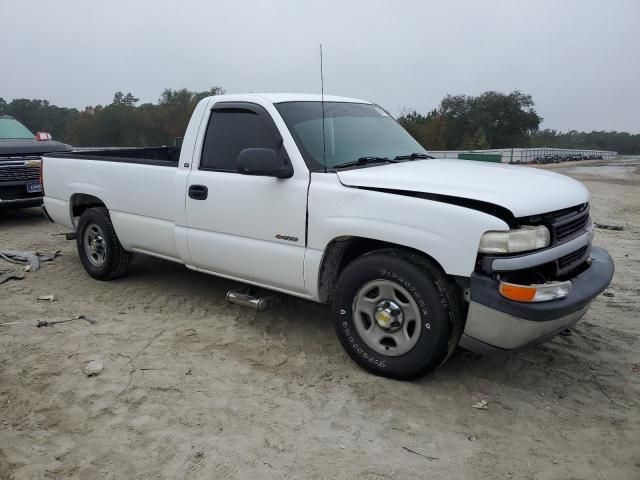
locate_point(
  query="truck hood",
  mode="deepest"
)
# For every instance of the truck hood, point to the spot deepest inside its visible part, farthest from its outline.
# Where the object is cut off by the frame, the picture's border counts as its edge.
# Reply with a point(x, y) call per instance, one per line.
point(522, 190)
point(25, 147)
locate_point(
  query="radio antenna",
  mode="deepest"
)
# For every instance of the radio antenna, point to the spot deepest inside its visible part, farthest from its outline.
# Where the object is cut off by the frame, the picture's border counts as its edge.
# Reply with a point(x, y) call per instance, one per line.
point(324, 143)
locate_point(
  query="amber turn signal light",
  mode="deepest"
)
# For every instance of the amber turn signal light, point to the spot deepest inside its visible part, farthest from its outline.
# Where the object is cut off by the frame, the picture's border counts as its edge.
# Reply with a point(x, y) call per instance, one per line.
point(518, 293)
point(535, 293)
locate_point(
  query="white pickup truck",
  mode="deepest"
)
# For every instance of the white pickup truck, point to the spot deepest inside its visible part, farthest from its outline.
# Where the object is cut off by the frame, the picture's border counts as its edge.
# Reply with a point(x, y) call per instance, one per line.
point(333, 201)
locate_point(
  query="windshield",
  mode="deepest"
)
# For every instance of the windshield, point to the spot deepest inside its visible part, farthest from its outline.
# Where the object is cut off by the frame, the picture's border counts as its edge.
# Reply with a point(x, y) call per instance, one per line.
point(352, 131)
point(10, 129)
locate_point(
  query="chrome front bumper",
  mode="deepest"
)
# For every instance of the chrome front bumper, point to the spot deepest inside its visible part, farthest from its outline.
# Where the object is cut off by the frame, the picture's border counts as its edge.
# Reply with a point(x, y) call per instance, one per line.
point(496, 323)
point(489, 330)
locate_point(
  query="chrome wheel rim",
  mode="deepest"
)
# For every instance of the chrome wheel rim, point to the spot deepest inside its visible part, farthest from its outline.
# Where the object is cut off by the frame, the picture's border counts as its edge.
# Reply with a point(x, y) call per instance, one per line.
point(94, 245)
point(387, 317)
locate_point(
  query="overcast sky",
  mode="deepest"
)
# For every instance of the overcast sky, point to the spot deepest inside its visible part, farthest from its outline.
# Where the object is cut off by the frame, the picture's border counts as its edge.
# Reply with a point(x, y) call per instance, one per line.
point(579, 59)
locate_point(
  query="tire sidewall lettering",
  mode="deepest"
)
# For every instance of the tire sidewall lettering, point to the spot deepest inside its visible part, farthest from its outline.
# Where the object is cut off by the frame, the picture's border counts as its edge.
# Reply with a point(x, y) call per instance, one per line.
point(423, 287)
point(360, 350)
point(422, 304)
point(345, 313)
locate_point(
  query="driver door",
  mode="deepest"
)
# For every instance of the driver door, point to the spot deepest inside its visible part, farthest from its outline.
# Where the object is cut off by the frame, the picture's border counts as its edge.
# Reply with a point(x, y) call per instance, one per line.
point(246, 227)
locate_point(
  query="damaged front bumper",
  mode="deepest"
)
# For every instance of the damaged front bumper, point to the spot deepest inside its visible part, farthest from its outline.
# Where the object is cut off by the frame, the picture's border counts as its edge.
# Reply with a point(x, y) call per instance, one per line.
point(496, 323)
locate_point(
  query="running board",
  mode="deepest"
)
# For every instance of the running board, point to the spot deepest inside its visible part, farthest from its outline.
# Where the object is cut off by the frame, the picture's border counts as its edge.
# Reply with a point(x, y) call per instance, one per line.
point(256, 298)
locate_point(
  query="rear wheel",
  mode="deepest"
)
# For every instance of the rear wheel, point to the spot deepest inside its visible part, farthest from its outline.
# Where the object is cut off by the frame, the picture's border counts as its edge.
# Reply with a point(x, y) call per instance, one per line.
point(396, 314)
point(100, 251)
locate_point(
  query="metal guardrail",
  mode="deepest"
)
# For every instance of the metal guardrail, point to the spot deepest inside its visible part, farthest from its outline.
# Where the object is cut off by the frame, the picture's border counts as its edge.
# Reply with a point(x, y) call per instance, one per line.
point(530, 155)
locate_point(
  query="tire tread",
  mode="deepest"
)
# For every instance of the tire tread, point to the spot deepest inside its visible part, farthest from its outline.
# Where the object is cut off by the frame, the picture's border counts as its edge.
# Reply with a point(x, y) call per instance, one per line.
point(448, 297)
point(120, 258)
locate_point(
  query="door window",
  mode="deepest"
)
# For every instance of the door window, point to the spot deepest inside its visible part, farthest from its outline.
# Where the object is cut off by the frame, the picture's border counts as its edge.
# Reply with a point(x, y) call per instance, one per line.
point(230, 131)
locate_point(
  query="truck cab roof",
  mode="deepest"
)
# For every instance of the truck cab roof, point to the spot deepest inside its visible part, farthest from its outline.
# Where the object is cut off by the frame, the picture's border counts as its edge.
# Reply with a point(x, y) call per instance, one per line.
point(286, 97)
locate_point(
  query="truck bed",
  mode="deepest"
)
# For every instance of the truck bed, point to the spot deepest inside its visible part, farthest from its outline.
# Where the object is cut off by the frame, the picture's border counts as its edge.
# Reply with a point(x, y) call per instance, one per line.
point(134, 184)
point(158, 156)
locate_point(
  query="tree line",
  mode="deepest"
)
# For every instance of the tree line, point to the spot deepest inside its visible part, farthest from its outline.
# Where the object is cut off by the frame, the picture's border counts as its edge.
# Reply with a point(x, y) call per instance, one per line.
point(121, 123)
point(459, 122)
point(498, 120)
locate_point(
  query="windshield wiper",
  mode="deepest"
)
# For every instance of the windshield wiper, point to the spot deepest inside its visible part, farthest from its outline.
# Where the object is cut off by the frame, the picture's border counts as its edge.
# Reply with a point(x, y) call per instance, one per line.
point(365, 161)
point(413, 156)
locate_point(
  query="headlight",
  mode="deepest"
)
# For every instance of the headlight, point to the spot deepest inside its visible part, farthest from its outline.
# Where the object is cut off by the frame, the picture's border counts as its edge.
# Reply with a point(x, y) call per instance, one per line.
point(517, 240)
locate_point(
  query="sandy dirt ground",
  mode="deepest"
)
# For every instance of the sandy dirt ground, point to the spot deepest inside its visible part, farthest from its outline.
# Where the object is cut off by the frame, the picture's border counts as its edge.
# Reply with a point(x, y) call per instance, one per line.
point(193, 387)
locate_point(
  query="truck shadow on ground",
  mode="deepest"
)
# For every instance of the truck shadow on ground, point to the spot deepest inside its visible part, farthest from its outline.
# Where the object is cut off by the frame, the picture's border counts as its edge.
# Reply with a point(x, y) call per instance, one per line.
point(23, 217)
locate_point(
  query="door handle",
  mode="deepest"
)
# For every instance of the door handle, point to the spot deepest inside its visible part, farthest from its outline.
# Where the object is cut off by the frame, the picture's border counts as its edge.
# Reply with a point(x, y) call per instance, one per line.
point(198, 192)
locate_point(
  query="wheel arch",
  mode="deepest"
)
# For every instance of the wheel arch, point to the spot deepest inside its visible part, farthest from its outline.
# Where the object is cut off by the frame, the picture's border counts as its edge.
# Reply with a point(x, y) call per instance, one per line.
point(341, 251)
point(79, 202)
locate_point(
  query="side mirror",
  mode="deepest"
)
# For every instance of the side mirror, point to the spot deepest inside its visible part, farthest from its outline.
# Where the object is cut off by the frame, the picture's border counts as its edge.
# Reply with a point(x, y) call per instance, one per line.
point(264, 162)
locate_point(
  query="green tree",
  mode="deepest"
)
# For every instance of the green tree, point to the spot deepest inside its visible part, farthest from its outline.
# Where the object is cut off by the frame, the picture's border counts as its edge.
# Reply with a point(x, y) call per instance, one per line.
point(621, 142)
point(507, 120)
point(124, 123)
point(122, 100)
point(40, 115)
point(491, 120)
point(475, 141)
point(176, 107)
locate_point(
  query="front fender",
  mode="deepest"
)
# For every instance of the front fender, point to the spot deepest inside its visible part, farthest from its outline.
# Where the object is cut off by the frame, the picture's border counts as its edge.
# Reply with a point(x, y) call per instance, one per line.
point(450, 234)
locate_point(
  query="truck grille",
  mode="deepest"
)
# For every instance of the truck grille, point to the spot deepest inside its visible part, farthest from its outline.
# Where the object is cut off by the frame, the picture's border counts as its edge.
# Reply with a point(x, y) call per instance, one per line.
point(18, 173)
point(567, 224)
point(572, 260)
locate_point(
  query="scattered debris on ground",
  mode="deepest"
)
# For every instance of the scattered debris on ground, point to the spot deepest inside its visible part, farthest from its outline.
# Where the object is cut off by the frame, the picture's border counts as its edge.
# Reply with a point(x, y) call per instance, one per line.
point(132, 360)
point(93, 368)
point(48, 298)
point(428, 457)
point(480, 404)
point(47, 323)
point(33, 259)
point(604, 226)
point(6, 275)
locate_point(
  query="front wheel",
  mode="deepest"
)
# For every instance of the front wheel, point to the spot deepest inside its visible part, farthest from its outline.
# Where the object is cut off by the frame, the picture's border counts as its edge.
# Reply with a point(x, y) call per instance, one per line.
point(100, 251)
point(396, 314)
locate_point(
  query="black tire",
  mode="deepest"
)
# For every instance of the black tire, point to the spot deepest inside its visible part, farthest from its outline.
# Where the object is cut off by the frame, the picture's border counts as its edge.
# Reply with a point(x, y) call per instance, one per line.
point(435, 296)
point(115, 259)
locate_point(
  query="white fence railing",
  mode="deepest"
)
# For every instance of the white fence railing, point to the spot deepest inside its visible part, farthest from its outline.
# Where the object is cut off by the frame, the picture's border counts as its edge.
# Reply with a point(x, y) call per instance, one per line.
point(527, 155)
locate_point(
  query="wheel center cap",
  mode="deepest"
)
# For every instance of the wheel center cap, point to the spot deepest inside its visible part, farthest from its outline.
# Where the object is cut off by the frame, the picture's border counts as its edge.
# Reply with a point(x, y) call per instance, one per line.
point(388, 316)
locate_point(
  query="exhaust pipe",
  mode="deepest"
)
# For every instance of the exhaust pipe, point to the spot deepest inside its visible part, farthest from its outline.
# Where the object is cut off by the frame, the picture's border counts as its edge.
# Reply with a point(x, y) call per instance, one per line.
point(249, 297)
